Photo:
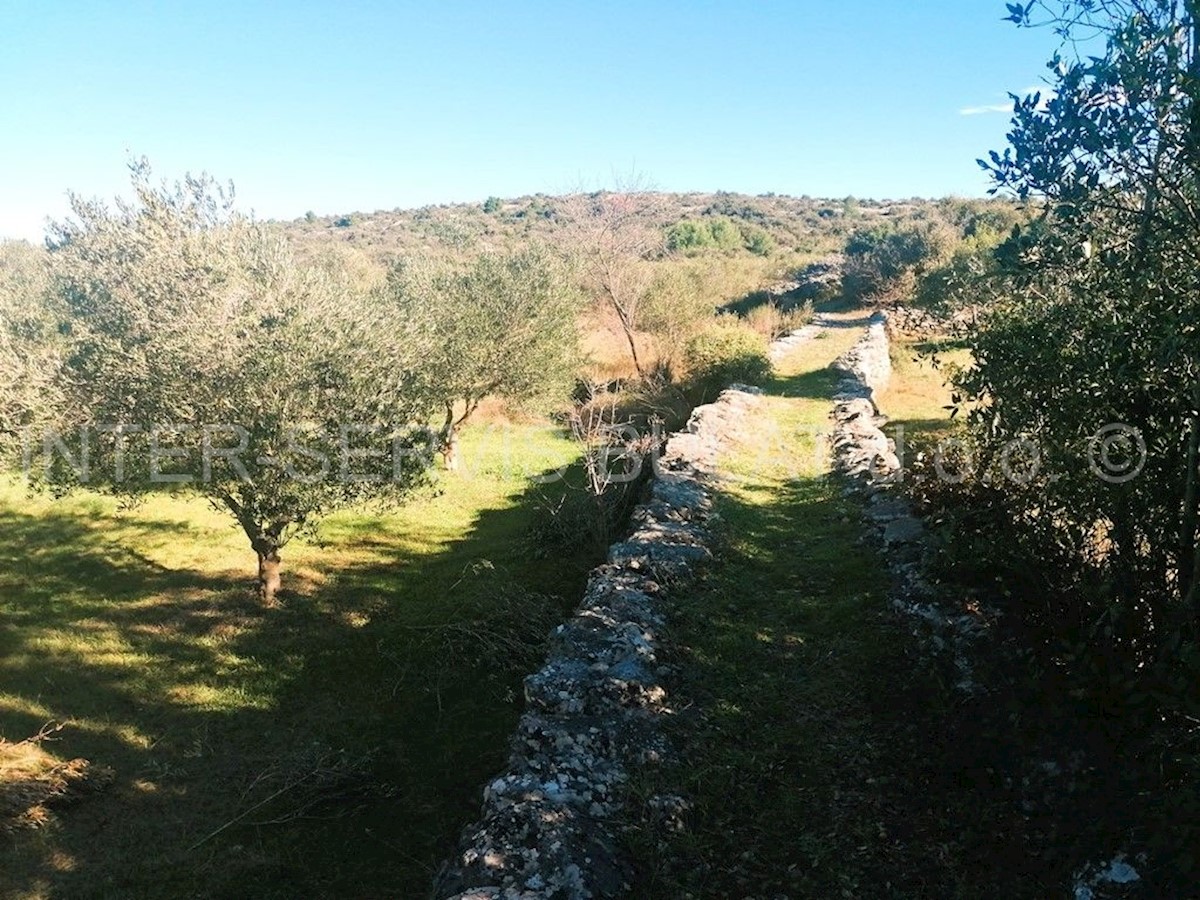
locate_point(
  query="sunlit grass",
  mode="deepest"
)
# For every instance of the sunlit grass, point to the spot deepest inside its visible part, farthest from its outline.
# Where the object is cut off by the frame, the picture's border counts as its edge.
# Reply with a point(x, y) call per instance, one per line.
point(140, 629)
point(919, 397)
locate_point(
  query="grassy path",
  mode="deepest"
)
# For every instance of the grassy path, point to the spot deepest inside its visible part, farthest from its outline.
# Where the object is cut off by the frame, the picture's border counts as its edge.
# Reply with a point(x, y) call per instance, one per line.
point(818, 764)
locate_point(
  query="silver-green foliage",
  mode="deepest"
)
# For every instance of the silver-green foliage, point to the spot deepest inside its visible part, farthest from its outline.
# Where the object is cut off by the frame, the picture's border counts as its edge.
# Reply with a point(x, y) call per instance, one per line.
point(499, 325)
point(28, 342)
point(191, 322)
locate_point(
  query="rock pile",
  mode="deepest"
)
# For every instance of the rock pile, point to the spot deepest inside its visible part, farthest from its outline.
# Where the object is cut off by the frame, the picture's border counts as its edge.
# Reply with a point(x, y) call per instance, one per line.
point(929, 323)
point(819, 280)
point(547, 827)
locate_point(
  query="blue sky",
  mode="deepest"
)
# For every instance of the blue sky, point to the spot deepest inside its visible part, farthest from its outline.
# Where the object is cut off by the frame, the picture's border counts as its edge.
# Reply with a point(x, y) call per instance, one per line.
point(337, 107)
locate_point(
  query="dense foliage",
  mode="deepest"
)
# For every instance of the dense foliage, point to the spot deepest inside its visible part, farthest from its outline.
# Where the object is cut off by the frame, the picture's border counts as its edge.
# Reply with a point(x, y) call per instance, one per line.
point(1078, 510)
point(724, 352)
point(1098, 323)
point(28, 342)
point(503, 325)
point(199, 352)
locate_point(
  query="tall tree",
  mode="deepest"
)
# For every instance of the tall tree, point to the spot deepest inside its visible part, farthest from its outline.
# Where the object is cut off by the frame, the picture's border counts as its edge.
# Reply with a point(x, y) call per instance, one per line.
point(200, 353)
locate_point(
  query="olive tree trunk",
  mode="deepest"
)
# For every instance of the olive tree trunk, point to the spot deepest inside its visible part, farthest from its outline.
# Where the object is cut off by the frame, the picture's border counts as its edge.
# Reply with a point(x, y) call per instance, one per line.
point(269, 570)
point(448, 434)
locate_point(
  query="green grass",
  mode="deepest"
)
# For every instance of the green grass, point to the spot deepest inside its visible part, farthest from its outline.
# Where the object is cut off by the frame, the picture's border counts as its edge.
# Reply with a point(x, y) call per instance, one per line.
point(819, 761)
point(141, 630)
point(918, 397)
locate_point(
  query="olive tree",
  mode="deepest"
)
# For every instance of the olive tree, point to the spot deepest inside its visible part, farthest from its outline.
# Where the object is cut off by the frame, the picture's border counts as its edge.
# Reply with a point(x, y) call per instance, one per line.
point(501, 325)
point(1097, 323)
point(201, 354)
point(28, 342)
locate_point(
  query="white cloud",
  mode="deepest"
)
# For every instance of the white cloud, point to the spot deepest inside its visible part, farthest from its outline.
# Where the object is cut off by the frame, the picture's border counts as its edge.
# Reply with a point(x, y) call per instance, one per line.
point(986, 109)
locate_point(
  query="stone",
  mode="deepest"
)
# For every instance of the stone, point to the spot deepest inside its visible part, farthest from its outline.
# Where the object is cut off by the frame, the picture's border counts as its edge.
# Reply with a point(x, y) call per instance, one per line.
point(549, 827)
point(903, 531)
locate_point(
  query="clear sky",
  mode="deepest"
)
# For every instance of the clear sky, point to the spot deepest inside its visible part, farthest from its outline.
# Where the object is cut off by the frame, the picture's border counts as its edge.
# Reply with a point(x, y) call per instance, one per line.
point(338, 107)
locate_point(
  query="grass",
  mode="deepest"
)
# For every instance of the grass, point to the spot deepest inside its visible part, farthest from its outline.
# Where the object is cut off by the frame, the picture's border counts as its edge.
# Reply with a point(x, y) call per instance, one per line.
point(917, 400)
point(819, 760)
point(370, 707)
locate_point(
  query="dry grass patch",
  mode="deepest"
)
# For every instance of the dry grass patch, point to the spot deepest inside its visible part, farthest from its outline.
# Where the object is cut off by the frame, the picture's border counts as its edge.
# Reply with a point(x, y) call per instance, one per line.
point(33, 781)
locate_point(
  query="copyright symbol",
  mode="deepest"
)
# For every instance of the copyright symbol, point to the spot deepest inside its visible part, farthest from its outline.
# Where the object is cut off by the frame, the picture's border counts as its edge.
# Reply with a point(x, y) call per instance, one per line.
point(1117, 453)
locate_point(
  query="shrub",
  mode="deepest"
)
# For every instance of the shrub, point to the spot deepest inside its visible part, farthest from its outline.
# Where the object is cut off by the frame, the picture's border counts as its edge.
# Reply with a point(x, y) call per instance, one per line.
point(725, 234)
point(689, 235)
point(676, 305)
point(795, 318)
point(726, 351)
point(758, 240)
point(764, 319)
point(886, 263)
point(720, 233)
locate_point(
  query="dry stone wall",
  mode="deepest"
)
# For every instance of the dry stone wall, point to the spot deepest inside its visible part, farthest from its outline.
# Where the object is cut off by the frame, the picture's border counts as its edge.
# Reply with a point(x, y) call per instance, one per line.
point(548, 827)
point(866, 458)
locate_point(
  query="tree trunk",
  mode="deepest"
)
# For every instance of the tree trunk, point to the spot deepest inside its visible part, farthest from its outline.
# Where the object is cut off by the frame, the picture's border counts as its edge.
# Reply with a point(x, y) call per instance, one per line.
point(1189, 553)
point(448, 438)
point(450, 450)
point(627, 327)
point(269, 569)
point(637, 364)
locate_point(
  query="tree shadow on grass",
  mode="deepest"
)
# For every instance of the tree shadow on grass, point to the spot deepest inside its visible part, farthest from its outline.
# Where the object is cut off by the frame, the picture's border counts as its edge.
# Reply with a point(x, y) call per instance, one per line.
point(205, 704)
point(823, 759)
point(816, 384)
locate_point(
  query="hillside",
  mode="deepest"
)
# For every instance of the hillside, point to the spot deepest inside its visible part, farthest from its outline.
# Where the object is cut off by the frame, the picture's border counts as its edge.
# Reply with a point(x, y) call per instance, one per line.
point(799, 226)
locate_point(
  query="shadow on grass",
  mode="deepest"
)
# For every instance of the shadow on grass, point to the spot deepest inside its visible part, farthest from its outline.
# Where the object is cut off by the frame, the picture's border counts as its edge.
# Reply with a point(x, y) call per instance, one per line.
point(817, 384)
point(822, 761)
point(375, 732)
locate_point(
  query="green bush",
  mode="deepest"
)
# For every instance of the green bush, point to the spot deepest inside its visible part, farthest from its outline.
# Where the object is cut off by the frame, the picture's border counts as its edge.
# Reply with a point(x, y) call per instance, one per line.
point(887, 262)
point(724, 352)
point(719, 233)
point(688, 235)
point(725, 234)
point(758, 240)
